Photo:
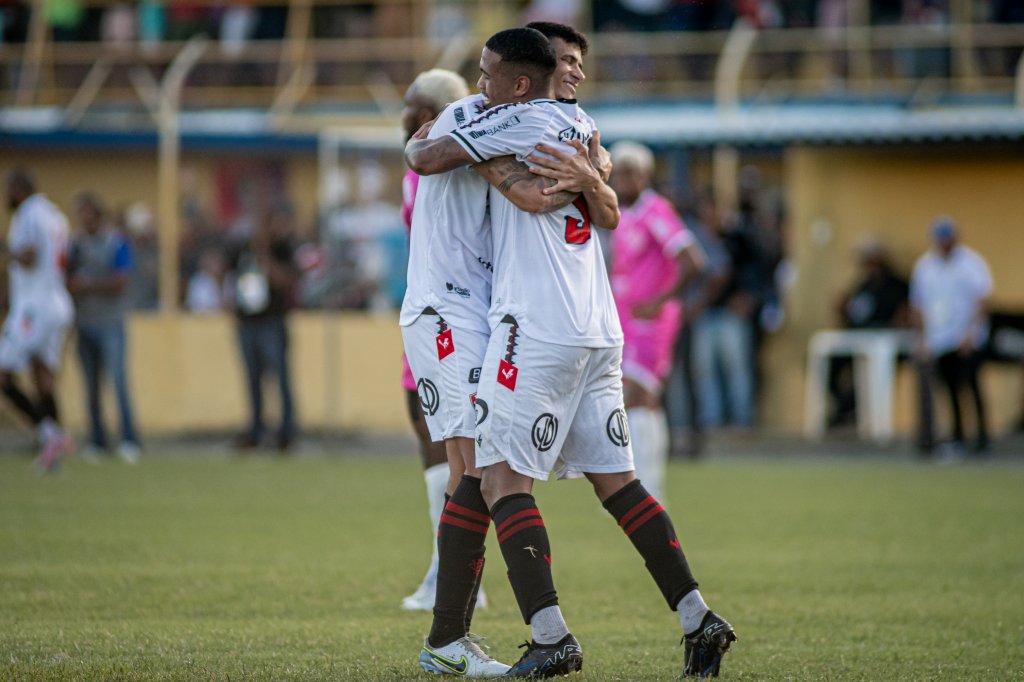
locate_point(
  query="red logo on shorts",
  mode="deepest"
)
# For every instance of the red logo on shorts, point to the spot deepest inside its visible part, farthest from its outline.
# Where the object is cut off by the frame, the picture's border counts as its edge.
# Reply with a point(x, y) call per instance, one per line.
point(507, 375)
point(445, 344)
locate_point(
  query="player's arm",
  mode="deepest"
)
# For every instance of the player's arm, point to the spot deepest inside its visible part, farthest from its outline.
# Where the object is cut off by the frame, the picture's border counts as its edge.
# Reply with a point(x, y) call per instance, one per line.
point(440, 155)
point(600, 159)
point(576, 173)
point(524, 189)
point(25, 257)
point(691, 262)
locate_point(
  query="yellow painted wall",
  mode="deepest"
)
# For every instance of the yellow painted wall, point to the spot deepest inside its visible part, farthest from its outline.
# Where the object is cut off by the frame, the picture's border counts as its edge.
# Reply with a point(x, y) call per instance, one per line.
point(186, 374)
point(838, 196)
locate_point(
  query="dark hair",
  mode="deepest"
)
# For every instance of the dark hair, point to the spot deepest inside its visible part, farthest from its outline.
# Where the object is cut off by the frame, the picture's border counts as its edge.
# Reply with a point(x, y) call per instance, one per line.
point(570, 35)
point(527, 49)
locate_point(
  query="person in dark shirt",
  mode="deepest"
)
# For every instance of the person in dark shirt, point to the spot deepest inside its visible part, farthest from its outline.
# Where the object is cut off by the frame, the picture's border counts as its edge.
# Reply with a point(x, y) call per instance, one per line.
point(878, 300)
point(265, 281)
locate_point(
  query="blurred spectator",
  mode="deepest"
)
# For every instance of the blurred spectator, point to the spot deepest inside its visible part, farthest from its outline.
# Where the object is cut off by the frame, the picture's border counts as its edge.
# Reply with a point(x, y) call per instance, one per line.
point(931, 18)
point(878, 300)
point(99, 271)
point(144, 290)
point(559, 11)
point(14, 16)
point(949, 291)
point(653, 256)
point(205, 291)
point(265, 282)
point(724, 335)
point(683, 394)
point(40, 310)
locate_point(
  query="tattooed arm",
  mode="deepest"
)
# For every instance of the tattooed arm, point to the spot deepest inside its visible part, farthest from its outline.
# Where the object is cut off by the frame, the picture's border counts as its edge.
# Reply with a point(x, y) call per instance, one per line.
point(430, 157)
point(524, 189)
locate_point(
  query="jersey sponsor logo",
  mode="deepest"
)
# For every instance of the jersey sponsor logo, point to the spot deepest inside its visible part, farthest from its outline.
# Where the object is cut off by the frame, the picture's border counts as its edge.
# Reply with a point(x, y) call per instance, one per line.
point(512, 122)
point(545, 430)
point(460, 116)
point(507, 375)
point(486, 263)
point(474, 375)
point(617, 427)
point(480, 407)
point(573, 133)
point(445, 344)
point(429, 397)
point(456, 289)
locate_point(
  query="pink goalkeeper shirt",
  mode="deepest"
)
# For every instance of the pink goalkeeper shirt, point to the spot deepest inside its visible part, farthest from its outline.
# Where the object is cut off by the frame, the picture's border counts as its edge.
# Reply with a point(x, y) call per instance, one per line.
point(645, 250)
point(410, 183)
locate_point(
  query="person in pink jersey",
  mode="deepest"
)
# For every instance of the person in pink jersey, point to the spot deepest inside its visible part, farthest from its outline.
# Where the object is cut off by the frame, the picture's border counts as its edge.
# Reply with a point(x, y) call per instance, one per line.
point(653, 256)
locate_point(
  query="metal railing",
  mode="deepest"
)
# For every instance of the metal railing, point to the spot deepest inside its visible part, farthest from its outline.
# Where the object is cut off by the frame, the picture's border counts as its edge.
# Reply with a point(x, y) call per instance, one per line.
point(300, 71)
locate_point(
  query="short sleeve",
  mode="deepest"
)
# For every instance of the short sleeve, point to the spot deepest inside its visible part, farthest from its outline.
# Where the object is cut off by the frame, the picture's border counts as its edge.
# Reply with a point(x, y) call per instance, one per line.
point(25, 233)
point(503, 130)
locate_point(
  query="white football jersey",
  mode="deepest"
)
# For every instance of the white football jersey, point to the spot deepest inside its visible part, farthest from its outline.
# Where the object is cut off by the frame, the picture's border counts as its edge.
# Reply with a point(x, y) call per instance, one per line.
point(549, 270)
point(450, 241)
point(38, 224)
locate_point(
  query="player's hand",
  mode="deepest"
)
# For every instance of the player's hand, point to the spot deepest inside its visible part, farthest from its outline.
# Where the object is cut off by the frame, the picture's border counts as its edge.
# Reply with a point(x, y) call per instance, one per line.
point(421, 134)
point(571, 173)
point(647, 311)
point(599, 157)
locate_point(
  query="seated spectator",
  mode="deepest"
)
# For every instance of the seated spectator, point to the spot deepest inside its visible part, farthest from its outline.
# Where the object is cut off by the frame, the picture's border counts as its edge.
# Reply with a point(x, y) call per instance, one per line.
point(878, 300)
point(205, 292)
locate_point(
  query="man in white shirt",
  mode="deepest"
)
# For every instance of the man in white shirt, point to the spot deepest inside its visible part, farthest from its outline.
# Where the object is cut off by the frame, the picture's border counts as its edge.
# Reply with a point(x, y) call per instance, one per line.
point(40, 312)
point(551, 386)
point(949, 293)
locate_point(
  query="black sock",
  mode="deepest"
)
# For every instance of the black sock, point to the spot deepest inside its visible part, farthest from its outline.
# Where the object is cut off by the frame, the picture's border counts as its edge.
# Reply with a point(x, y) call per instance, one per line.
point(650, 530)
point(47, 407)
point(527, 551)
point(21, 401)
point(460, 548)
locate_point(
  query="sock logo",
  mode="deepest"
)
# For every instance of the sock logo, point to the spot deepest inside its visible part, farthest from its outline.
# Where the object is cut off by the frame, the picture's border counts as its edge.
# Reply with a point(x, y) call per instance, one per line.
point(532, 550)
point(428, 395)
point(674, 542)
point(617, 427)
point(545, 430)
point(477, 565)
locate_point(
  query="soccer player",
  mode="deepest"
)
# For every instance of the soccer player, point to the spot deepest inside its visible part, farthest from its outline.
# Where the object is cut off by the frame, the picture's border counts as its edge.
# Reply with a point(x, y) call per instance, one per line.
point(653, 257)
point(428, 95)
point(445, 330)
point(551, 389)
point(40, 311)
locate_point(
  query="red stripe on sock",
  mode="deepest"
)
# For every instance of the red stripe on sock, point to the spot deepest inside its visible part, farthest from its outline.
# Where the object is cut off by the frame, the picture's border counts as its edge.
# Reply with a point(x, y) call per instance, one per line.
point(462, 523)
point(627, 517)
point(518, 527)
point(468, 513)
point(643, 519)
point(533, 511)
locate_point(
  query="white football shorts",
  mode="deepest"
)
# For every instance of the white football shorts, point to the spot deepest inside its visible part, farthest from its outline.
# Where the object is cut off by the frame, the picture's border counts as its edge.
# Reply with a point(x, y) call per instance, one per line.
point(29, 334)
point(445, 361)
point(544, 407)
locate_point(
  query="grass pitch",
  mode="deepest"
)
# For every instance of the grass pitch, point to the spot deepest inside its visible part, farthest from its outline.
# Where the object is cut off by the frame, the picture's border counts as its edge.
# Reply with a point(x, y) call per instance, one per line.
point(207, 567)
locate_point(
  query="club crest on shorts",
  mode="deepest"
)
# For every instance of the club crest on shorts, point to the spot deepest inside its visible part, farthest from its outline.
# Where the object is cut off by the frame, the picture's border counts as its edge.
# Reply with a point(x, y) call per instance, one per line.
point(617, 427)
point(445, 344)
point(507, 375)
point(545, 430)
point(429, 398)
point(480, 407)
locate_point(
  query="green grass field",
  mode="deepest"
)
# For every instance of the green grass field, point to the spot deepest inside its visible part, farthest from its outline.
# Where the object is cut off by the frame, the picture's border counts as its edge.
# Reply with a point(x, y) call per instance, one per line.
point(203, 566)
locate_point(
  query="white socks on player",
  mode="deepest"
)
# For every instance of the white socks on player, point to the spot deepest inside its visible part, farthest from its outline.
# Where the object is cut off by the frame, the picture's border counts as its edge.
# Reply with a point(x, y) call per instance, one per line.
point(436, 478)
point(648, 431)
point(691, 610)
point(548, 625)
